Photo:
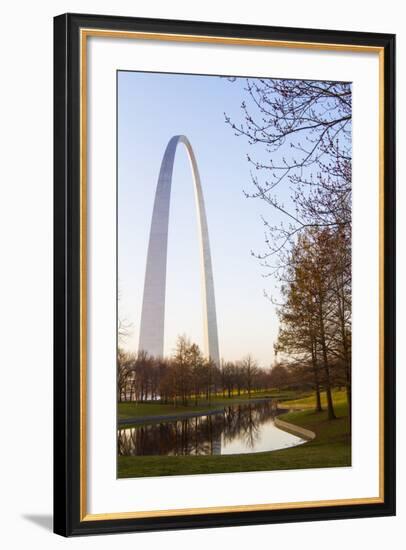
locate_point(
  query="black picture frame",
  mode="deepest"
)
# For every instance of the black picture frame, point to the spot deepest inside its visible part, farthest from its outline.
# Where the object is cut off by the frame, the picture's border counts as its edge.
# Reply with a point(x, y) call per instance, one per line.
point(68, 520)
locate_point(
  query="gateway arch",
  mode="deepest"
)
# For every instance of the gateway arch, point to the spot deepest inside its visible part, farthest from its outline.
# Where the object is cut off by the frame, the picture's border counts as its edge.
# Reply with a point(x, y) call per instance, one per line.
point(153, 305)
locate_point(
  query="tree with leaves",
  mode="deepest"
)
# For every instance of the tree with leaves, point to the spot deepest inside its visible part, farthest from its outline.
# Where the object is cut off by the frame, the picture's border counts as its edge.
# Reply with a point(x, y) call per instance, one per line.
point(314, 315)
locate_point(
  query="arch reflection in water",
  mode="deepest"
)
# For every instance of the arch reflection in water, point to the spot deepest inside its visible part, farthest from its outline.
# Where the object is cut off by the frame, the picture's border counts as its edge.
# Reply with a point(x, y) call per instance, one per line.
point(239, 429)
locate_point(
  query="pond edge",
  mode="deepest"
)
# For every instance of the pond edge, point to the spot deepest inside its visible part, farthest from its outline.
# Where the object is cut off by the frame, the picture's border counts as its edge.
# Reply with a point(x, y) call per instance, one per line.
point(294, 430)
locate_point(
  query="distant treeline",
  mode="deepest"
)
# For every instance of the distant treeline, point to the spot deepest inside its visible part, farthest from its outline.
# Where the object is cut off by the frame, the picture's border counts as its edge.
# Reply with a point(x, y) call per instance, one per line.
point(187, 376)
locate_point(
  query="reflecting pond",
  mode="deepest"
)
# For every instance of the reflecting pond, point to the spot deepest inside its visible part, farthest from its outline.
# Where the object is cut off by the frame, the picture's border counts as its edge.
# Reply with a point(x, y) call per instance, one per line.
point(247, 428)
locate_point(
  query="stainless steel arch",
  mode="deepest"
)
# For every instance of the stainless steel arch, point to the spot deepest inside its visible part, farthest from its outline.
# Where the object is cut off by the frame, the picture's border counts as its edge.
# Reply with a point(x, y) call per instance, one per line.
point(153, 305)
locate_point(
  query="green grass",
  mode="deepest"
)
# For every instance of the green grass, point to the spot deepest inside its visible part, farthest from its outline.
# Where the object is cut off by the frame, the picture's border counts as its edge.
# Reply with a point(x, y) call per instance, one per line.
point(330, 448)
point(132, 409)
point(308, 401)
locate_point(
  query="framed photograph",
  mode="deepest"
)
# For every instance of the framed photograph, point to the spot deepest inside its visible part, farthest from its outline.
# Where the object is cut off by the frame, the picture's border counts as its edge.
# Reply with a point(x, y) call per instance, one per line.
point(224, 274)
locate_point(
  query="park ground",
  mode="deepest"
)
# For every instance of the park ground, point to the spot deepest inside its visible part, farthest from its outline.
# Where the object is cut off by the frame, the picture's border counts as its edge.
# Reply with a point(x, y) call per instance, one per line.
point(330, 448)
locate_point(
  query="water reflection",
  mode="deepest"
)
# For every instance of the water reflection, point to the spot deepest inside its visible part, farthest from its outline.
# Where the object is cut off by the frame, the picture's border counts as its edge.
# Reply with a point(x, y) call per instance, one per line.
point(244, 428)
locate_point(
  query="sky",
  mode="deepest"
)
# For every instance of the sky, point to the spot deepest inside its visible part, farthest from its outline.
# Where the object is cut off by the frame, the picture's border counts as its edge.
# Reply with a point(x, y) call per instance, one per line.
point(153, 107)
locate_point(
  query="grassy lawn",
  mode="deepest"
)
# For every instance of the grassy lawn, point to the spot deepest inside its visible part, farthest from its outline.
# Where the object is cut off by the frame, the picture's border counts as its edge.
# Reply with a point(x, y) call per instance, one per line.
point(330, 448)
point(307, 402)
point(132, 409)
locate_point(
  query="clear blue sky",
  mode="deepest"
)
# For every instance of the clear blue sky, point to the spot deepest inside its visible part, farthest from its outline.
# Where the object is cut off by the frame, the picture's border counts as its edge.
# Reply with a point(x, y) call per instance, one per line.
point(153, 107)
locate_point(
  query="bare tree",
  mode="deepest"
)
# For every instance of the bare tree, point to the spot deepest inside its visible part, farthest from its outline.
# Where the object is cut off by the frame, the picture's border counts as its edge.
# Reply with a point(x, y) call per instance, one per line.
point(299, 135)
point(250, 369)
point(303, 129)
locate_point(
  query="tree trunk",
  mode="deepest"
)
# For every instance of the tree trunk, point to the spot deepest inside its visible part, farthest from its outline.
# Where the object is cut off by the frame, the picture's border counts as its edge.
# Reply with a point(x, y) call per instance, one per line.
point(330, 406)
point(346, 352)
point(319, 408)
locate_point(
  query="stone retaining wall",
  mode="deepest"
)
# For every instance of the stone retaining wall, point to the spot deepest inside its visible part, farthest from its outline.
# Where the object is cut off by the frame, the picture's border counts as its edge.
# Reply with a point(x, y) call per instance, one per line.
point(295, 430)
